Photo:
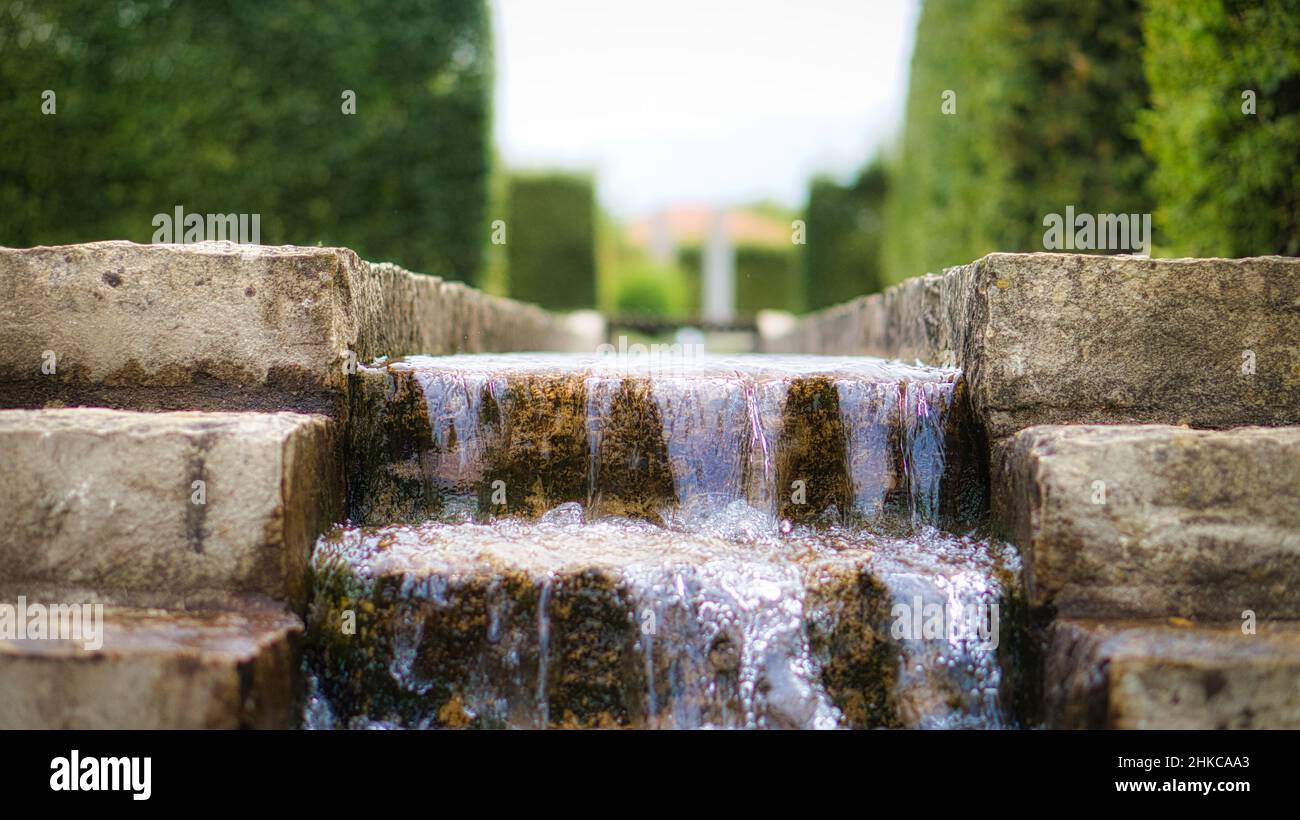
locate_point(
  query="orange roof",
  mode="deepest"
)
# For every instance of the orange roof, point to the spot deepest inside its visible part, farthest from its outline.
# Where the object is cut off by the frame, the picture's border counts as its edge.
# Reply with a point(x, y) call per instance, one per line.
point(692, 225)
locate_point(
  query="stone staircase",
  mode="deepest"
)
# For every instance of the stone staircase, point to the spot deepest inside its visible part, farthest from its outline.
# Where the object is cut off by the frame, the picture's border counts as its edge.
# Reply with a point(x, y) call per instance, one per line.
point(544, 541)
point(1163, 558)
point(172, 449)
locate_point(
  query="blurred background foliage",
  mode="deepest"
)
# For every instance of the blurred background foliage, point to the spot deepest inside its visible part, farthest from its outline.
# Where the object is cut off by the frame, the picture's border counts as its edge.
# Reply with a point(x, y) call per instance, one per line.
point(236, 107)
point(1047, 93)
point(551, 239)
point(1226, 183)
point(845, 227)
point(767, 276)
point(1111, 106)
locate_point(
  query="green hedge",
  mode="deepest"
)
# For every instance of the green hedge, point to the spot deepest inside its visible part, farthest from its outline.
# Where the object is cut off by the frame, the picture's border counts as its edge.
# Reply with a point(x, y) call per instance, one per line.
point(767, 278)
point(1047, 92)
point(234, 107)
point(644, 288)
point(842, 252)
point(551, 240)
point(690, 258)
point(1228, 183)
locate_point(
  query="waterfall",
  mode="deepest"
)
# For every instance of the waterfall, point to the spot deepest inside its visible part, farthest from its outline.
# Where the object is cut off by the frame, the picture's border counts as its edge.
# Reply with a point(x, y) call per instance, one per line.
point(867, 440)
point(747, 542)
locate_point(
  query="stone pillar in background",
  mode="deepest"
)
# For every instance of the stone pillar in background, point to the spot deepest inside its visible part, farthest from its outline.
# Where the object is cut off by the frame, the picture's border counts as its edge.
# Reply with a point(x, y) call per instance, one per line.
point(663, 249)
point(719, 272)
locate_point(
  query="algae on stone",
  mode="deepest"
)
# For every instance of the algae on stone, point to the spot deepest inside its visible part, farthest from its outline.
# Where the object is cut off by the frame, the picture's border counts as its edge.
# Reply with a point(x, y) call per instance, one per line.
point(812, 476)
point(805, 439)
point(631, 471)
point(619, 622)
point(538, 458)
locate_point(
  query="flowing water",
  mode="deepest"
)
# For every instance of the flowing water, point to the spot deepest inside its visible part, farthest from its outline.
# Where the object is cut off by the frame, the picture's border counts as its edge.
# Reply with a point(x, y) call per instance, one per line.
point(805, 438)
point(745, 542)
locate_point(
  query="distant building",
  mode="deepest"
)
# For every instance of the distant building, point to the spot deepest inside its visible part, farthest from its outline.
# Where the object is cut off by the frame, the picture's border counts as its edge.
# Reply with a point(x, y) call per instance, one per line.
point(693, 224)
point(713, 235)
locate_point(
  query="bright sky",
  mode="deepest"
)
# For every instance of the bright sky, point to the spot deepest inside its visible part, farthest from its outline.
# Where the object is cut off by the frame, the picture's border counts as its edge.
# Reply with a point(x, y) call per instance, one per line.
point(699, 101)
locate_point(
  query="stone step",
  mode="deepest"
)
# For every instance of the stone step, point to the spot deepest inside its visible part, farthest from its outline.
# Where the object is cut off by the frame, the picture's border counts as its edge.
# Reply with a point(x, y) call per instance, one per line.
point(221, 326)
point(1117, 521)
point(1053, 338)
point(804, 438)
point(180, 504)
point(151, 669)
point(1160, 675)
point(566, 623)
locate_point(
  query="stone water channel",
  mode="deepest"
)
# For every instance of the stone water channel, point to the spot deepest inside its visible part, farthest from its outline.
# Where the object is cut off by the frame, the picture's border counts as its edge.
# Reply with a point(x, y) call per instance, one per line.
point(551, 540)
point(548, 540)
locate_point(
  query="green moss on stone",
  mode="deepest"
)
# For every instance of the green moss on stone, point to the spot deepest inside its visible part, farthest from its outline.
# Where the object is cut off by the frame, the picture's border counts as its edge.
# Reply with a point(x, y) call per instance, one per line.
point(388, 441)
point(633, 474)
point(541, 451)
point(848, 636)
point(812, 449)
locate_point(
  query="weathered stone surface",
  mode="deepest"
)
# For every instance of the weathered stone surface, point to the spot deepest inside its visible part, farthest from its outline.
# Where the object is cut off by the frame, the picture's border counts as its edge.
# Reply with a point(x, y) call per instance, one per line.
point(1049, 338)
point(1156, 675)
point(402, 314)
point(233, 326)
point(158, 669)
point(1154, 520)
point(104, 499)
point(126, 315)
point(903, 322)
point(1056, 338)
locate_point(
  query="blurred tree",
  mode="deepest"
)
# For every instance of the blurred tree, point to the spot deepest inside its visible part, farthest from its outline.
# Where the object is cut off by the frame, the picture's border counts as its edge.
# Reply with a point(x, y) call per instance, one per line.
point(842, 254)
point(767, 278)
point(1040, 115)
point(229, 106)
point(1224, 125)
point(551, 239)
point(647, 289)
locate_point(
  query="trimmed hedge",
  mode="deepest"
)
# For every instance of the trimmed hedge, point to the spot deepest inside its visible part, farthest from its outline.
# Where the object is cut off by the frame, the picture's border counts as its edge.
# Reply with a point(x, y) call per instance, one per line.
point(842, 254)
point(551, 240)
point(645, 288)
point(1228, 183)
point(690, 260)
point(1046, 93)
point(767, 277)
point(231, 107)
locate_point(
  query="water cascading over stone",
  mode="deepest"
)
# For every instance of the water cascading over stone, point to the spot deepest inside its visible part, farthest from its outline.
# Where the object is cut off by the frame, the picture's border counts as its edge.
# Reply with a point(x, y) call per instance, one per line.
point(868, 442)
point(552, 541)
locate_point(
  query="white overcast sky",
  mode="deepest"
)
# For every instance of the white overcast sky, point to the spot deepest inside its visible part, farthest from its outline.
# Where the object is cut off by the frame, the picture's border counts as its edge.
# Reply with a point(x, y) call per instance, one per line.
point(699, 101)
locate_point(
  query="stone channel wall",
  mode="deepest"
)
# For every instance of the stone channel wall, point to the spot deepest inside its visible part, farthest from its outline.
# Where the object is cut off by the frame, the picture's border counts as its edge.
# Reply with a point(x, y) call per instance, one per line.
point(1139, 415)
point(215, 325)
point(172, 442)
point(1050, 338)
